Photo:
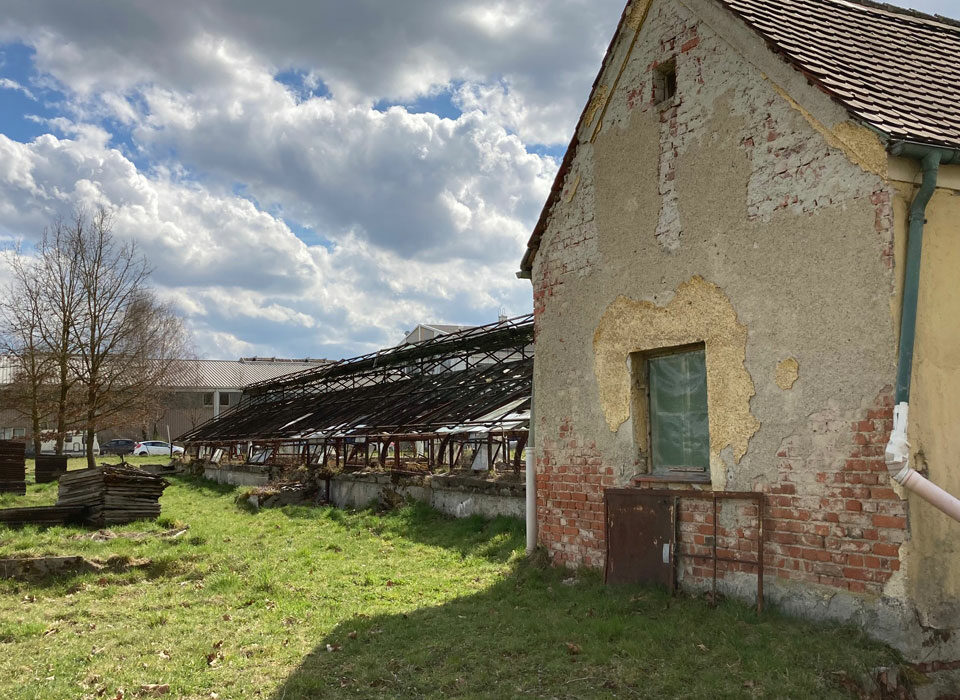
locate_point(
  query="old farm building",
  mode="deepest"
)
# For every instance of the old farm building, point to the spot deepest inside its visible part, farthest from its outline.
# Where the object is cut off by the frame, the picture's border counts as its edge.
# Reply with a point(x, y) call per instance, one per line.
point(725, 303)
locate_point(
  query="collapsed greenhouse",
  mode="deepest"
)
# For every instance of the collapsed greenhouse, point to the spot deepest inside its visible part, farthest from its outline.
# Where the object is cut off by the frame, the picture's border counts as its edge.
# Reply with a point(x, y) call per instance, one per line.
point(460, 399)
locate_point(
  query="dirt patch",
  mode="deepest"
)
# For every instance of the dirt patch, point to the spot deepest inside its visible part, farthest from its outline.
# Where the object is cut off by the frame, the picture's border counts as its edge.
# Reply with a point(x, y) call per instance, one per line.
point(107, 535)
point(34, 568)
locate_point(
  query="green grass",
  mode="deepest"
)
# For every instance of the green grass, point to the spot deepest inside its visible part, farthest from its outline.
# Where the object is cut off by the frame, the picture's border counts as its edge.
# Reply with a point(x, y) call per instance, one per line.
point(412, 604)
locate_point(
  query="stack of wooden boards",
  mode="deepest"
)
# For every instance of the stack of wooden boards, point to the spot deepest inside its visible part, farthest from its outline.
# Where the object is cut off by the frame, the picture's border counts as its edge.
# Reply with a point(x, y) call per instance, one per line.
point(44, 515)
point(113, 495)
point(13, 470)
point(49, 468)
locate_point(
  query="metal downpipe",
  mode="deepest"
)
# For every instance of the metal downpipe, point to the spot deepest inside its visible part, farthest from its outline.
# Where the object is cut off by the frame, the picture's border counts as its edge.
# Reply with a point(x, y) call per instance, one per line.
point(897, 453)
point(911, 280)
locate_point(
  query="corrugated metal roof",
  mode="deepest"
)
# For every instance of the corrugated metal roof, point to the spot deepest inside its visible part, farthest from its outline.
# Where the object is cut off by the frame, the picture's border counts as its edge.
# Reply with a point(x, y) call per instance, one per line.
point(236, 374)
point(427, 331)
point(212, 374)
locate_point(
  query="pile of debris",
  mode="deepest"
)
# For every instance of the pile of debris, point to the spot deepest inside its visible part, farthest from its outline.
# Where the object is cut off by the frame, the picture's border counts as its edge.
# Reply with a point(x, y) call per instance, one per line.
point(113, 495)
point(49, 468)
point(13, 470)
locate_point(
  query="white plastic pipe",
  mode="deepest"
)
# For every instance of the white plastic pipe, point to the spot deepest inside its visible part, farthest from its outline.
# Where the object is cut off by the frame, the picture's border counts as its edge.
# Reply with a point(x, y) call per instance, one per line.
point(531, 500)
point(531, 485)
point(897, 456)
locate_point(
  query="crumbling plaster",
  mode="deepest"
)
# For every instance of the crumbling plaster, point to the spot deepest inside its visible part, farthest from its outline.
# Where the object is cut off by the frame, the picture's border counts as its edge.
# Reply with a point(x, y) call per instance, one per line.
point(774, 268)
point(698, 312)
point(787, 373)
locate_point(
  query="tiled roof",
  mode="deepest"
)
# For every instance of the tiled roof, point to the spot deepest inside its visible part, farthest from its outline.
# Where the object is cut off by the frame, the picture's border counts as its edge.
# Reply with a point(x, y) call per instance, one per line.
point(897, 70)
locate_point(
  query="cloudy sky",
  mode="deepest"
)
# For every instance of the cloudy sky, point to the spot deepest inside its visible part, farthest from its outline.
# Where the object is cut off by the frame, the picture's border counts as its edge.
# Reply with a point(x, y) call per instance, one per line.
point(307, 178)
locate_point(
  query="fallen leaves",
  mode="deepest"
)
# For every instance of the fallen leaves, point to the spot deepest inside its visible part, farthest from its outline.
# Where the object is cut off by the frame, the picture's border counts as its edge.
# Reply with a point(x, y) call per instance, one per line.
point(155, 689)
point(573, 649)
point(215, 656)
point(334, 647)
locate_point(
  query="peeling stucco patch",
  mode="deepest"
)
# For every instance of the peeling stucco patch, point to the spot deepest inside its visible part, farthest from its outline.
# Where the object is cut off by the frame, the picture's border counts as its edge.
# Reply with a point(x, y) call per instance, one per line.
point(787, 374)
point(596, 102)
point(861, 145)
point(571, 189)
point(638, 13)
point(699, 312)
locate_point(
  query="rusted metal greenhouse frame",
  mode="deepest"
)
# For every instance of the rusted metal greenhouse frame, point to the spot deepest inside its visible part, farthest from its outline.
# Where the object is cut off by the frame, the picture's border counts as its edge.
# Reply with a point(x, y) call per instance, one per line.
point(464, 390)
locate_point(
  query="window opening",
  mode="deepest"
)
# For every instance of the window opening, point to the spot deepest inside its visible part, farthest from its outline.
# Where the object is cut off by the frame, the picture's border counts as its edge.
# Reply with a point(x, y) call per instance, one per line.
point(665, 82)
point(670, 411)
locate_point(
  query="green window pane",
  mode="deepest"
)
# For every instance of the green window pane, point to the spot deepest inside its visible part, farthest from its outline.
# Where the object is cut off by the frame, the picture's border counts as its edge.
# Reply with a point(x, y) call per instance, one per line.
point(679, 429)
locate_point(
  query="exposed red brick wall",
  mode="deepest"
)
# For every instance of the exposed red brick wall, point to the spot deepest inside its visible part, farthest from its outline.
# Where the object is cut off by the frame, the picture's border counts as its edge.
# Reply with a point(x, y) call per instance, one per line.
point(841, 528)
point(571, 478)
point(845, 527)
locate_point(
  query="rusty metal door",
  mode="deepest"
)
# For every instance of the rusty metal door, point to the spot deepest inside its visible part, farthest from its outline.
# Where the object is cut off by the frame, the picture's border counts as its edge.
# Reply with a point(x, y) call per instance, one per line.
point(641, 535)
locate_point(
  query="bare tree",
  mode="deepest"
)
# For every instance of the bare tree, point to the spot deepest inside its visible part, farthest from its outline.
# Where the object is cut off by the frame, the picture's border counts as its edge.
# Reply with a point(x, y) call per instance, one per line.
point(61, 294)
point(21, 309)
point(127, 343)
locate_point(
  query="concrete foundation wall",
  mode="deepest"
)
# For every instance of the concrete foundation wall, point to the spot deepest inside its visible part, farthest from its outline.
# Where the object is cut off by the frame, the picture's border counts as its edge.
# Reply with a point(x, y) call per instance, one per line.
point(240, 475)
point(456, 496)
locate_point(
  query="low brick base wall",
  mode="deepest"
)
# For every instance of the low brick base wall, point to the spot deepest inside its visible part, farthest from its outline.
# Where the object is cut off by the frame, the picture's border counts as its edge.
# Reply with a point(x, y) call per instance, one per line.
point(454, 495)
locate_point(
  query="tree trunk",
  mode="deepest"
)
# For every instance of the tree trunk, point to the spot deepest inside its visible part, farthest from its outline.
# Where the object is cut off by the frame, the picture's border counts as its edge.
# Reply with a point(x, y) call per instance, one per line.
point(62, 404)
point(91, 459)
point(91, 432)
point(35, 426)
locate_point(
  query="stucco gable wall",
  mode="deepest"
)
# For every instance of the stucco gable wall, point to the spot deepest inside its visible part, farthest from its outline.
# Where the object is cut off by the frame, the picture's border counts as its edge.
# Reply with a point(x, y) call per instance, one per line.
point(753, 216)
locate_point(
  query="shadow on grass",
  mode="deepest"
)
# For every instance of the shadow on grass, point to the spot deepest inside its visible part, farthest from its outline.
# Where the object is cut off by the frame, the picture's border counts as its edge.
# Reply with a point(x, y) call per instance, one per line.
point(108, 569)
point(496, 539)
point(201, 485)
point(538, 633)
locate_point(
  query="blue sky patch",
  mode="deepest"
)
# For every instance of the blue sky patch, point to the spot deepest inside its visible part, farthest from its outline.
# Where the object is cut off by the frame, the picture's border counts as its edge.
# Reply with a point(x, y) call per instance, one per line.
point(556, 151)
point(21, 118)
point(297, 81)
point(440, 103)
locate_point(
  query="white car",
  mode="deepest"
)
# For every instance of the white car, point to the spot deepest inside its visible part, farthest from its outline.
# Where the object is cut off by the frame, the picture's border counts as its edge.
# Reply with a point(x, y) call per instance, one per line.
point(155, 447)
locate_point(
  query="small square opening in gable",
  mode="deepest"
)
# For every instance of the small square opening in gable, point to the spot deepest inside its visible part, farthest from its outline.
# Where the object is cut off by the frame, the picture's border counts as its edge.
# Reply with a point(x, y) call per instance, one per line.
point(665, 82)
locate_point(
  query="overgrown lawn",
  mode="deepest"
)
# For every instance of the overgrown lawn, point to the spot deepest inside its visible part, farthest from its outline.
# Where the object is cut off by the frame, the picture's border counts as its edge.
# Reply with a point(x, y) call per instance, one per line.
point(318, 602)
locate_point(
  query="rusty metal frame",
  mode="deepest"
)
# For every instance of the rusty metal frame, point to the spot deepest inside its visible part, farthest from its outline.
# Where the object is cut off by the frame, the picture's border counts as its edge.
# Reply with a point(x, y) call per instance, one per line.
point(459, 389)
point(714, 496)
